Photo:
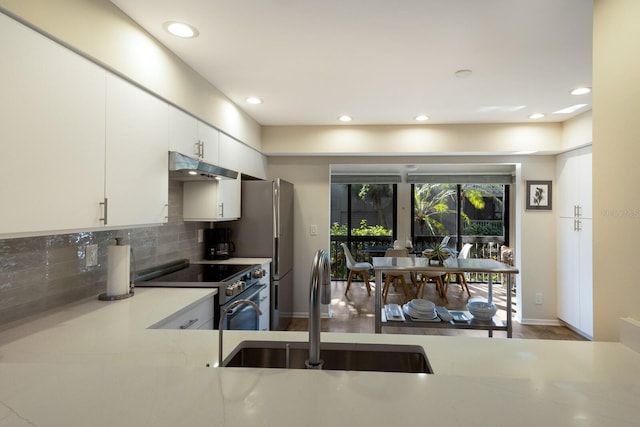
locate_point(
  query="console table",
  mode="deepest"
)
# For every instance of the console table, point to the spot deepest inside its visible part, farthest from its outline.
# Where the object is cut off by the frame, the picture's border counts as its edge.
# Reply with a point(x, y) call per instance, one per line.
point(451, 265)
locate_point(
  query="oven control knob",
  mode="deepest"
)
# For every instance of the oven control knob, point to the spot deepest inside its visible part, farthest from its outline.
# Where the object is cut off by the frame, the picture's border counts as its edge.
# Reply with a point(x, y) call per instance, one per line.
point(258, 273)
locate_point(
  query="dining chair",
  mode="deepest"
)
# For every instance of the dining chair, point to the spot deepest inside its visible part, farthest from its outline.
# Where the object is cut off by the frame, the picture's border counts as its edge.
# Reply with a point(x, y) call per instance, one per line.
point(436, 276)
point(396, 277)
point(361, 268)
point(460, 277)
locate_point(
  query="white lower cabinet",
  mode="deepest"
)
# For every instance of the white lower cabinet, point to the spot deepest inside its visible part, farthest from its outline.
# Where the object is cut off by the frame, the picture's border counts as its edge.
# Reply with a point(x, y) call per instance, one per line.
point(198, 315)
point(211, 201)
point(575, 275)
point(137, 164)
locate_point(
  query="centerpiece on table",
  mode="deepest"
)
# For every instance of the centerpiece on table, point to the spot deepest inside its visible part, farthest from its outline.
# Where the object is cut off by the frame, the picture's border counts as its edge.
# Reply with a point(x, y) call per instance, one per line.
point(438, 253)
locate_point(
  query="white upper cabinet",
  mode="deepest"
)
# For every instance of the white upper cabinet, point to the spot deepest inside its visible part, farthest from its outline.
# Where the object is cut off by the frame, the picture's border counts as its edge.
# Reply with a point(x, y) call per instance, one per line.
point(183, 132)
point(239, 157)
point(52, 107)
point(137, 162)
point(208, 138)
point(574, 183)
point(211, 200)
point(229, 198)
point(192, 137)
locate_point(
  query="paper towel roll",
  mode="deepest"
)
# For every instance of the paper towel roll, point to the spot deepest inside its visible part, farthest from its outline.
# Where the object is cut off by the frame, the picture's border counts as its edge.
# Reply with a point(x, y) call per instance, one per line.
point(118, 270)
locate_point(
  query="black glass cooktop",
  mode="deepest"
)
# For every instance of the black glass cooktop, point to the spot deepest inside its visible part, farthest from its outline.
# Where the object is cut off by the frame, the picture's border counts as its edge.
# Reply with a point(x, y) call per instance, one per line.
point(203, 273)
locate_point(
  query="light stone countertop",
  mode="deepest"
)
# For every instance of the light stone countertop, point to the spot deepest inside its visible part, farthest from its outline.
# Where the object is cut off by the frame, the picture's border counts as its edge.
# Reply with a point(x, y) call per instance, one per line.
point(94, 363)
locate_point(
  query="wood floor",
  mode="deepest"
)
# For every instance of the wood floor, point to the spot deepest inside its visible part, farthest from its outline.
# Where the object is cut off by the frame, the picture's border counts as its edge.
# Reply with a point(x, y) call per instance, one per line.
point(354, 313)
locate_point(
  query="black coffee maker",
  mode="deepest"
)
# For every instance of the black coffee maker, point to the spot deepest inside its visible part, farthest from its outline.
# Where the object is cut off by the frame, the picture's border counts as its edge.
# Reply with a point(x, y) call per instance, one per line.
point(217, 243)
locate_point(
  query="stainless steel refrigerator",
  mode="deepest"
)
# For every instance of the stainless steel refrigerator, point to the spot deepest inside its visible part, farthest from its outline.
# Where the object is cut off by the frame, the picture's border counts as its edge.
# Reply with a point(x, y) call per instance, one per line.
point(265, 230)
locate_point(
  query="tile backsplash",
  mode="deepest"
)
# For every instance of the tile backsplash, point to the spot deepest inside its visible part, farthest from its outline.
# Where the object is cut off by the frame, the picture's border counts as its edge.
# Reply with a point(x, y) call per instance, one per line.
point(41, 273)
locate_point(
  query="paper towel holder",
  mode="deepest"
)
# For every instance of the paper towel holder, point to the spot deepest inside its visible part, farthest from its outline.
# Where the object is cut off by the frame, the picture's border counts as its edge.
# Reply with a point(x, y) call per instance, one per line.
point(106, 297)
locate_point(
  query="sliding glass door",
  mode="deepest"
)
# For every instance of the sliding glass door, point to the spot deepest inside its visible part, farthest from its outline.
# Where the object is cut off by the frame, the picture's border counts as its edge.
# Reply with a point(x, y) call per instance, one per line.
point(363, 217)
point(466, 213)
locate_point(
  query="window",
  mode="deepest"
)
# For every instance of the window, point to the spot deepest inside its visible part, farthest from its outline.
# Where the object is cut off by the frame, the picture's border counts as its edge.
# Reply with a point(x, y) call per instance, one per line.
point(468, 213)
point(363, 217)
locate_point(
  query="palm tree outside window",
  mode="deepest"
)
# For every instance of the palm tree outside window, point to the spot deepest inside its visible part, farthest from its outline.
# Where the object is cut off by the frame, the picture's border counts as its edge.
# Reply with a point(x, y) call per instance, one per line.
point(468, 213)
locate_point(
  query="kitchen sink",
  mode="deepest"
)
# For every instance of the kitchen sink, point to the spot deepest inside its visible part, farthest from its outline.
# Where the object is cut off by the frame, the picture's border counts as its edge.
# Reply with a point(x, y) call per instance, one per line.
point(336, 356)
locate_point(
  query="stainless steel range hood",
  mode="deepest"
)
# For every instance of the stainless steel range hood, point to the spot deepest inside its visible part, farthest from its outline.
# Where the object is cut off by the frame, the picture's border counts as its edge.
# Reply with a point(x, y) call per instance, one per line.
point(185, 168)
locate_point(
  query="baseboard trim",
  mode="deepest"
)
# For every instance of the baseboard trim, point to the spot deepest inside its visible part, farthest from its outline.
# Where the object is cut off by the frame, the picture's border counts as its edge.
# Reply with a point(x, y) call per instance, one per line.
point(541, 322)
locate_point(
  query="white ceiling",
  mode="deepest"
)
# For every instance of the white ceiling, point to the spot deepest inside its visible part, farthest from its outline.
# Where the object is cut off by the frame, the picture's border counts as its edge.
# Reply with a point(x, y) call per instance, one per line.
point(382, 61)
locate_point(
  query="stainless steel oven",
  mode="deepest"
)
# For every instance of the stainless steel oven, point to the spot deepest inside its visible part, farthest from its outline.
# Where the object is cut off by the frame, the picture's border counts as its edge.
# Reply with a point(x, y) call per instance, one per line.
point(244, 317)
point(233, 281)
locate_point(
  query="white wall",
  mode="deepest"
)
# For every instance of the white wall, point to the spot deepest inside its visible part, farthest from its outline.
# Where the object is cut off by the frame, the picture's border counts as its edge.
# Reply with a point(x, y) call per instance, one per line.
point(480, 139)
point(535, 249)
point(616, 152)
point(577, 132)
point(101, 31)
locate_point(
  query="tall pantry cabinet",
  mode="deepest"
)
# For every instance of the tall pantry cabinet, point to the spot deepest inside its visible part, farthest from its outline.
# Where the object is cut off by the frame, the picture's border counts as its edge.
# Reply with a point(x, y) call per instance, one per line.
point(575, 239)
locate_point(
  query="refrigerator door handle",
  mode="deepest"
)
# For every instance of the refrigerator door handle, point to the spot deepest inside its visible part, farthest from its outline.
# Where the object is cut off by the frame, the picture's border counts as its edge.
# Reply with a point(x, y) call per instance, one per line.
point(276, 258)
point(276, 211)
point(276, 291)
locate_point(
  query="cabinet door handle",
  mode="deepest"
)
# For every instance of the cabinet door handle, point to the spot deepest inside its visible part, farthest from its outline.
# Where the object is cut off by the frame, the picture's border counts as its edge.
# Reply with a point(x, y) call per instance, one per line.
point(577, 226)
point(199, 149)
point(166, 209)
point(579, 210)
point(105, 210)
point(189, 323)
point(221, 210)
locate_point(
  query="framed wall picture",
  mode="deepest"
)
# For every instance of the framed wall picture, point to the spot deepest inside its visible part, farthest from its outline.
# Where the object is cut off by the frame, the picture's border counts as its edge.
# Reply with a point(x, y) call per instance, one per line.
point(539, 195)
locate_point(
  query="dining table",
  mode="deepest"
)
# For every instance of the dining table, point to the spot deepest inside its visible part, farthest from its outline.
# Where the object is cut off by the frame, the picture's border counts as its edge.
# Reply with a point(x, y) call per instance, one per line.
point(450, 265)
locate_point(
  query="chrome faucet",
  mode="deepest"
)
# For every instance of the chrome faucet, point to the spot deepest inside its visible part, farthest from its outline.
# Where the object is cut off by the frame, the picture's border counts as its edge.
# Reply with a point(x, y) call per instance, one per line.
point(221, 322)
point(319, 293)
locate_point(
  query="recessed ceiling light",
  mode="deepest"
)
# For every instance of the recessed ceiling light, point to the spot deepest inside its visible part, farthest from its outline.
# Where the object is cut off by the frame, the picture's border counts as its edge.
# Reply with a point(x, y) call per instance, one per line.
point(462, 74)
point(580, 91)
point(254, 100)
point(570, 110)
point(422, 118)
point(180, 29)
point(536, 116)
point(345, 118)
